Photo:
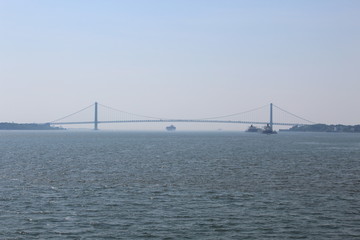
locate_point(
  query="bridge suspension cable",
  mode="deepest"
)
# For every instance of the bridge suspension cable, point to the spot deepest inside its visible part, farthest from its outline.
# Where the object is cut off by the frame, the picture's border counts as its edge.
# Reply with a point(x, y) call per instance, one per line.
point(83, 109)
point(138, 115)
point(208, 118)
point(306, 120)
point(235, 114)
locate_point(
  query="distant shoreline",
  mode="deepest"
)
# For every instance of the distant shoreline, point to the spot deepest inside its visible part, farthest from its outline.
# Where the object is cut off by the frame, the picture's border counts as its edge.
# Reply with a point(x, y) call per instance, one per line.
point(298, 128)
point(325, 128)
point(27, 126)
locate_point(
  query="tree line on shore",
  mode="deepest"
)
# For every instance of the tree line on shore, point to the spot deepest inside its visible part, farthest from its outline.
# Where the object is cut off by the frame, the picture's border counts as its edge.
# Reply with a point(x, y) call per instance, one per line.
point(27, 126)
point(325, 128)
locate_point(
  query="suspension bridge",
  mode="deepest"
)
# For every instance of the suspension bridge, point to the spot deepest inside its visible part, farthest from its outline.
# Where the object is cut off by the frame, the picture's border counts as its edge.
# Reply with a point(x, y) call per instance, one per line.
point(112, 115)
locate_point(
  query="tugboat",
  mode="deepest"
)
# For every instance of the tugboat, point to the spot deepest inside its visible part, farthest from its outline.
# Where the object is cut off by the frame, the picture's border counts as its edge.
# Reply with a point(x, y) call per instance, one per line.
point(268, 130)
point(252, 128)
point(171, 128)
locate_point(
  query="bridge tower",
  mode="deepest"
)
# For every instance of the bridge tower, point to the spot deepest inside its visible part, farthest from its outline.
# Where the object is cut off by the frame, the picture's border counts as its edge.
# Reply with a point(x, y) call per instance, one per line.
point(271, 116)
point(96, 117)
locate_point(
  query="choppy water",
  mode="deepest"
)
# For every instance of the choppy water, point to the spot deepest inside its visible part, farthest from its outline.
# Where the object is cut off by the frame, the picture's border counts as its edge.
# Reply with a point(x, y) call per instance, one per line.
point(116, 185)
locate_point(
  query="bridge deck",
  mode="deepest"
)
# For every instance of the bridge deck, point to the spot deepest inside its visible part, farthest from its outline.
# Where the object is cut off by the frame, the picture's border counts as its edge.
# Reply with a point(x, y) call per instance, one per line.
point(177, 121)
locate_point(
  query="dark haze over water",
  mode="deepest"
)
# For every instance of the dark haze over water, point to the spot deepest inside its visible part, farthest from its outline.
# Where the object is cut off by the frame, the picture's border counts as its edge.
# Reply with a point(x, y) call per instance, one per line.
point(123, 185)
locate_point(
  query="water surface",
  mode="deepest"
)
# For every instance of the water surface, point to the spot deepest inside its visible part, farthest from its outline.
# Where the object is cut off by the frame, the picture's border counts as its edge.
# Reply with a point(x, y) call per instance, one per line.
point(133, 185)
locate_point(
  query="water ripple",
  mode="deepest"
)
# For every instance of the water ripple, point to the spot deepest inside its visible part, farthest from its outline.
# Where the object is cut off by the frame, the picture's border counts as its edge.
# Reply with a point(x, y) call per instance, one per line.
point(111, 185)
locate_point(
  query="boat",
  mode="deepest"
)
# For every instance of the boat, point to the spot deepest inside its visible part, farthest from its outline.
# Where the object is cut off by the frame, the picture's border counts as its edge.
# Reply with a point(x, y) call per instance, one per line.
point(268, 130)
point(171, 128)
point(252, 128)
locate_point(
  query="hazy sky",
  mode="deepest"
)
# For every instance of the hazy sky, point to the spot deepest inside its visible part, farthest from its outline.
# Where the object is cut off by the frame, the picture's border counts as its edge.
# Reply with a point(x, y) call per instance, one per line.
point(180, 59)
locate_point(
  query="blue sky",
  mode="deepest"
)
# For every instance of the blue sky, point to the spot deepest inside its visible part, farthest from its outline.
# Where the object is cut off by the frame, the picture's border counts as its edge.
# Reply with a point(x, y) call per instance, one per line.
point(180, 58)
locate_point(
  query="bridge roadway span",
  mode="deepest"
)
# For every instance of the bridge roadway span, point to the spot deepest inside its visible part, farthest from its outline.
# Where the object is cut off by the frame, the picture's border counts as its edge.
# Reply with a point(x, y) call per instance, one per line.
point(176, 121)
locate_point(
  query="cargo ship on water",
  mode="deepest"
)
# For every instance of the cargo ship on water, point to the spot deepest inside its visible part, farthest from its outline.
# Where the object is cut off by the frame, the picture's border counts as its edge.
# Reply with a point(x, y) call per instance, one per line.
point(267, 129)
point(252, 128)
point(171, 128)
